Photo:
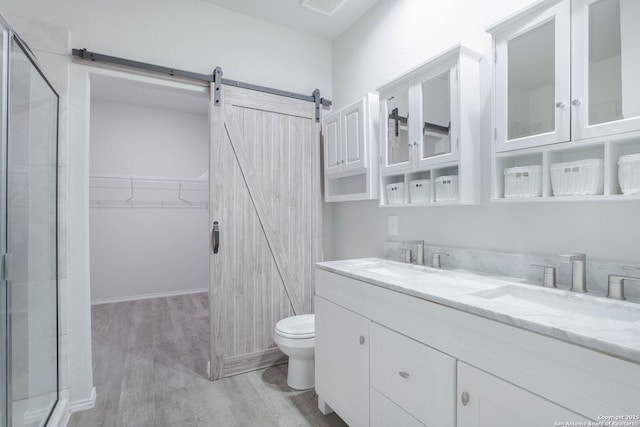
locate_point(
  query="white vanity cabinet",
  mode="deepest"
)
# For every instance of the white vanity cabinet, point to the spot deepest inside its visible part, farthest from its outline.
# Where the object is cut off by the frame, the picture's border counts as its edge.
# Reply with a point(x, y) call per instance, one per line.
point(426, 364)
point(351, 151)
point(342, 362)
point(485, 400)
point(566, 89)
point(430, 124)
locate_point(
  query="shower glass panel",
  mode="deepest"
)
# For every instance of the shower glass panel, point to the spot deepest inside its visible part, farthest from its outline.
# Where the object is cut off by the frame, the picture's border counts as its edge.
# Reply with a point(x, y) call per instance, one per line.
point(30, 242)
point(3, 293)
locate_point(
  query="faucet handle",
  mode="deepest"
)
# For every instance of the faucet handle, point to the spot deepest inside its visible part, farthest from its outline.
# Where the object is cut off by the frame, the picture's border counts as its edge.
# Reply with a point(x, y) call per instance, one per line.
point(549, 278)
point(435, 259)
point(408, 256)
point(616, 286)
point(573, 257)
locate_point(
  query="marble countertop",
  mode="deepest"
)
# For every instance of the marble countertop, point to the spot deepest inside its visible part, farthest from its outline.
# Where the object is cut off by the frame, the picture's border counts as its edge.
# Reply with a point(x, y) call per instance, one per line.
point(609, 326)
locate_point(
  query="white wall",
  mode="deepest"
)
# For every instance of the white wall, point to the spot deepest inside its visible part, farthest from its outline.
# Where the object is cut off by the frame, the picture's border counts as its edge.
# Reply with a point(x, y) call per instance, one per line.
point(191, 35)
point(147, 251)
point(399, 34)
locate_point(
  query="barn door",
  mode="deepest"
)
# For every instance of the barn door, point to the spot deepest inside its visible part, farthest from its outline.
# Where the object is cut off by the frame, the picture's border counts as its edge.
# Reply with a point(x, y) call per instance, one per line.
point(266, 223)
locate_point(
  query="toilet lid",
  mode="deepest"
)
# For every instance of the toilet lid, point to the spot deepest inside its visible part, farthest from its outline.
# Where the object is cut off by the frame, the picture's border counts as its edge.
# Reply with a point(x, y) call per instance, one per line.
point(302, 326)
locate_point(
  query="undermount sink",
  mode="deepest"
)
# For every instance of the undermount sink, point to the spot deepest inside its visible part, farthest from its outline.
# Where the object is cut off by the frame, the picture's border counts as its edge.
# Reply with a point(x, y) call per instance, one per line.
point(579, 308)
point(397, 270)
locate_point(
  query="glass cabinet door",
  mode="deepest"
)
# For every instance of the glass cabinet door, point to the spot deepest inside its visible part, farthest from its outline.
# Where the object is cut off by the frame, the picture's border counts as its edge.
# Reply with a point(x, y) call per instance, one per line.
point(606, 54)
point(532, 82)
point(436, 95)
point(396, 137)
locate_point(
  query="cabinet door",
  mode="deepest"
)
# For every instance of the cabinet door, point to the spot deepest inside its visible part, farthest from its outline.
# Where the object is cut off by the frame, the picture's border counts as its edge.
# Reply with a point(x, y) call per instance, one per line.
point(436, 103)
point(396, 144)
point(606, 66)
point(418, 378)
point(332, 149)
point(342, 361)
point(385, 413)
point(532, 81)
point(492, 402)
point(354, 127)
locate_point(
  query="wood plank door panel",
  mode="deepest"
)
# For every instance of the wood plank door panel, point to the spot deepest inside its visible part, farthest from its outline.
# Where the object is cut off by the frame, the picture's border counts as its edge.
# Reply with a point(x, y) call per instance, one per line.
point(265, 194)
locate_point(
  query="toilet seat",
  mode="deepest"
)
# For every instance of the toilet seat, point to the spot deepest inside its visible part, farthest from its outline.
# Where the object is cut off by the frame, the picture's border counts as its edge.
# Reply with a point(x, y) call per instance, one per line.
point(297, 327)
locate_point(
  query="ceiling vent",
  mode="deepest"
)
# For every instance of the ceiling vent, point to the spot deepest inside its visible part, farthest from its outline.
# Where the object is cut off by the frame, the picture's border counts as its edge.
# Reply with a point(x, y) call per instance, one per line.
point(325, 7)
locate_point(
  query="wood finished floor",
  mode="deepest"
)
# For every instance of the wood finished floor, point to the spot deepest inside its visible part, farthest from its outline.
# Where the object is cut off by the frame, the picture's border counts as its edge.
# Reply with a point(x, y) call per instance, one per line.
point(149, 368)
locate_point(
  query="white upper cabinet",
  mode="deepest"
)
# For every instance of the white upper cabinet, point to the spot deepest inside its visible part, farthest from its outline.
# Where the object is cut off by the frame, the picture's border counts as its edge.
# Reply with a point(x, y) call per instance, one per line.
point(423, 119)
point(606, 66)
point(351, 151)
point(332, 144)
point(566, 95)
point(354, 130)
point(564, 71)
point(429, 128)
point(532, 81)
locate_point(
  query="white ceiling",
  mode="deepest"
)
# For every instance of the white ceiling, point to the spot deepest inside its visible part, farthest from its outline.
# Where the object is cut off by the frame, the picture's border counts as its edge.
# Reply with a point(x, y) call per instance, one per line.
point(289, 13)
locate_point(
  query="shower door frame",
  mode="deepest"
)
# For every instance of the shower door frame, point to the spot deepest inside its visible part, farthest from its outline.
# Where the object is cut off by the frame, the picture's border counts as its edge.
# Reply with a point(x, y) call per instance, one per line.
point(8, 37)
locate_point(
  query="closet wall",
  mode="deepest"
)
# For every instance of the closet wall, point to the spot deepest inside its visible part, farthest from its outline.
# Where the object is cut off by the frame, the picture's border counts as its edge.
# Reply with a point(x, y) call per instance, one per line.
point(154, 244)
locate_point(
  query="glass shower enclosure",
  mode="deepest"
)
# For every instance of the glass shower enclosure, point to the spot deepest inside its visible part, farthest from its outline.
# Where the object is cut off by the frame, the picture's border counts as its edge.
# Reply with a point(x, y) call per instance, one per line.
point(28, 238)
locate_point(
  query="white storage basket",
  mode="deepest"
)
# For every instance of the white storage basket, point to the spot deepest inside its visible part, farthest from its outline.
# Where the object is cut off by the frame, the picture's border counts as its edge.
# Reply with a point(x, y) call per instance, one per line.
point(579, 178)
point(523, 181)
point(629, 173)
point(420, 190)
point(395, 193)
point(446, 188)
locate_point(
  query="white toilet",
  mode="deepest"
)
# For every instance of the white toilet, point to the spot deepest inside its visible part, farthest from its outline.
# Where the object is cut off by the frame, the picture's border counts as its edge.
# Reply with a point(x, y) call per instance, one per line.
point(295, 336)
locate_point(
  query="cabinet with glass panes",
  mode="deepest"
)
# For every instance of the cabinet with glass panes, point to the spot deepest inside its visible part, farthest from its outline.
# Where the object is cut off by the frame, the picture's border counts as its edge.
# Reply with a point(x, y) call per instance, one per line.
point(566, 97)
point(429, 127)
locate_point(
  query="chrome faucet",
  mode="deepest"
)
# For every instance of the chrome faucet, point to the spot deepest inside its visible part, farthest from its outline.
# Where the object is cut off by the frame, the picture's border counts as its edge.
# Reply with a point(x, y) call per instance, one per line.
point(578, 271)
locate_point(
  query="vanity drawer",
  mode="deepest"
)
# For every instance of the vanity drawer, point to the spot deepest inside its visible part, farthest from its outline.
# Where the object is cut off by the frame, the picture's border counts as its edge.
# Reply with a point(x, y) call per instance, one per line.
point(416, 377)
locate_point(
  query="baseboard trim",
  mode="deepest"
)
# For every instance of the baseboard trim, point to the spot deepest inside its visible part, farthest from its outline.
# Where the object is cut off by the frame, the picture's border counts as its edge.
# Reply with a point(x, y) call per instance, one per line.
point(149, 296)
point(61, 413)
point(84, 404)
point(236, 365)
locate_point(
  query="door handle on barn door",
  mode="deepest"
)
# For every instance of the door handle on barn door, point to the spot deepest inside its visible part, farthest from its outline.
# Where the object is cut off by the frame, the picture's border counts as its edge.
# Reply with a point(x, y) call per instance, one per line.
point(215, 237)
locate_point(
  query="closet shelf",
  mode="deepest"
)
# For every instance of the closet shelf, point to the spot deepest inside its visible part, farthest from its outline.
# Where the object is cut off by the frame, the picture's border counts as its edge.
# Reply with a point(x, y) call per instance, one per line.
point(148, 192)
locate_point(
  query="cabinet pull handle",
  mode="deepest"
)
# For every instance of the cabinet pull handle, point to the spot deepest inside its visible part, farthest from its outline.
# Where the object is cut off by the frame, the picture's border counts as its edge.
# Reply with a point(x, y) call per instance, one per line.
point(464, 398)
point(575, 102)
point(415, 144)
point(337, 162)
point(560, 104)
point(361, 339)
point(403, 374)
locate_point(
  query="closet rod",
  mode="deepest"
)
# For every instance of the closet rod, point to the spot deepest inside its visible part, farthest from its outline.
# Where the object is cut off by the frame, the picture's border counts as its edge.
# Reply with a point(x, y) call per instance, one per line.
point(98, 57)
